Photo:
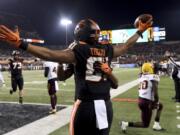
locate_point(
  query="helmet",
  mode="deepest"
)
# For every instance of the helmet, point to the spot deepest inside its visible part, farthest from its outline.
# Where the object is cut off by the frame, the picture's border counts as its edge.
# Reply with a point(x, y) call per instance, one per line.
point(147, 68)
point(88, 31)
point(14, 53)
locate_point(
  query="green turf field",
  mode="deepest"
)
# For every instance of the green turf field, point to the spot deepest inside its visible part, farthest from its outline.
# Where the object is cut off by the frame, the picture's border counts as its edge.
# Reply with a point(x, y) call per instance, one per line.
point(36, 91)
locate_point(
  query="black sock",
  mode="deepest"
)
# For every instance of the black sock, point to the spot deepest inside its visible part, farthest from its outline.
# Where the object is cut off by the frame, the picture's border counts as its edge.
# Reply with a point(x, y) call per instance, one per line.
point(55, 99)
point(21, 100)
point(131, 124)
point(53, 102)
point(157, 119)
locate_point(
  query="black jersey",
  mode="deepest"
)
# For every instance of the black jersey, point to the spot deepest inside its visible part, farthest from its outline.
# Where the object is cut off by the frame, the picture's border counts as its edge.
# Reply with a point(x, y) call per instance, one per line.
point(91, 83)
point(15, 67)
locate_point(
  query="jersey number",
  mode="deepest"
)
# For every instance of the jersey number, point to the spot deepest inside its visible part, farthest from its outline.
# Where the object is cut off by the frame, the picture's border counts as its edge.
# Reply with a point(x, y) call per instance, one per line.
point(143, 85)
point(17, 65)
point(93, 74)
point(54, 70)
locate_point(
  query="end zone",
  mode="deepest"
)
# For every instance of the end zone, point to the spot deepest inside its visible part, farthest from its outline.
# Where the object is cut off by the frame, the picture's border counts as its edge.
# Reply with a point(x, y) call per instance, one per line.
point(14, 115)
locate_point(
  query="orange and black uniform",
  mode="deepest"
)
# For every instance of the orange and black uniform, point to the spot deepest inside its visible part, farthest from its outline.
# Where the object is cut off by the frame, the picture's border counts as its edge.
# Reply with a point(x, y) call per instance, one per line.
point(91, 84)
point(16, 74)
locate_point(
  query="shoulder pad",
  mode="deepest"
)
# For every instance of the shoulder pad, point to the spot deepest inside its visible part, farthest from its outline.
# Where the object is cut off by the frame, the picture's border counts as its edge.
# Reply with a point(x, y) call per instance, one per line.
point(154, 77)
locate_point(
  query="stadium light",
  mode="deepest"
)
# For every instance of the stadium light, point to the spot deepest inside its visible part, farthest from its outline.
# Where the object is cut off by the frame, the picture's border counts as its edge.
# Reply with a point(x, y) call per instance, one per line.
point(66, 22)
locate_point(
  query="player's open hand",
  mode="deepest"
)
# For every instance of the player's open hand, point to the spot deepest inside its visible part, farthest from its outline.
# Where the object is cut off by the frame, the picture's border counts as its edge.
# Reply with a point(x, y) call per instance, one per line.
point(9, 36)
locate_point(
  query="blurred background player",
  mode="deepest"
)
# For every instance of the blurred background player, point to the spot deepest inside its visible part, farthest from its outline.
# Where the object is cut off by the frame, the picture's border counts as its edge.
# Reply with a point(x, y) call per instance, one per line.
point(175, 75)
point(2, 82)
point(50, 71)
point(15, 67)
point(148, 100)
point(176, 78)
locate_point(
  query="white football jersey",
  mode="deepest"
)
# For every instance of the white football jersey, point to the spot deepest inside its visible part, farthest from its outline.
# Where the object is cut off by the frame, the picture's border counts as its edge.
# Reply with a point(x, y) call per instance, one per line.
point(145, 86)
point(53, 67)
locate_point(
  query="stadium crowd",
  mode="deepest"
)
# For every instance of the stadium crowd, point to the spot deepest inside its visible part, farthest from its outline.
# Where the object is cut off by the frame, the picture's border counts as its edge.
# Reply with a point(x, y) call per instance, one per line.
point(136, 55)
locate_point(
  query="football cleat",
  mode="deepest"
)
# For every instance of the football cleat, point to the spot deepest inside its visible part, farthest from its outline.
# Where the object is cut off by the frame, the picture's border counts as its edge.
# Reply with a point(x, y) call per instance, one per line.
point(123, 126)
point(52, 111)
point(21, 100)
point(11, 92)
point(157, 127)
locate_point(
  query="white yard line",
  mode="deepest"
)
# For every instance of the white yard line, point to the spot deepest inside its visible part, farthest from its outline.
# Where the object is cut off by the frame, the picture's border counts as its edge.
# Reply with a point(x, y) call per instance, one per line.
point(28, 103)
point(178, 117)
point(36, 82)
point(123, 88)
point(38, 89)
point(178, 111)
point(178, 125)
point(50, 123)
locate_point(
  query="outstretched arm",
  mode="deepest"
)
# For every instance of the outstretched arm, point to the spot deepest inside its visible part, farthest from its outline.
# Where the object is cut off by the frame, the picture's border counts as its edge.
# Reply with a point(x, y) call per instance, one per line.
point(142, 26)
point(4, 62)
point(65, 74)
point(12, 37)
point(30, 61)
point(61, 56)
point(121, 49)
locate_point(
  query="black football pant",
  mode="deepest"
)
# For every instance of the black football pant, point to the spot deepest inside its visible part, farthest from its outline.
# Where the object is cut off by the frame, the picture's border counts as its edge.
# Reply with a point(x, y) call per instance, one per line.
point(177, 90)
point(85, 119)
point(17, 82)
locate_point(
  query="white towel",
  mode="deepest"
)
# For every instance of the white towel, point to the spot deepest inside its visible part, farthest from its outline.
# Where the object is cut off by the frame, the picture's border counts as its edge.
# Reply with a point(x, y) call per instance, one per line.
point(56, 86)
point(101, 114)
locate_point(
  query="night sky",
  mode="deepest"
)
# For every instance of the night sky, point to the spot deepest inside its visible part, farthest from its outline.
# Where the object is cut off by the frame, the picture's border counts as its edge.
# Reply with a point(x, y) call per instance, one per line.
point(45, 15)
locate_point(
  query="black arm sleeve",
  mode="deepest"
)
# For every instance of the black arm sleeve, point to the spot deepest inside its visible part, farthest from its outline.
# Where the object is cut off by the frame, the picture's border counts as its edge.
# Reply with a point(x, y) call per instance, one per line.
point(46, 71)
point(65, 74)
point(114, 85)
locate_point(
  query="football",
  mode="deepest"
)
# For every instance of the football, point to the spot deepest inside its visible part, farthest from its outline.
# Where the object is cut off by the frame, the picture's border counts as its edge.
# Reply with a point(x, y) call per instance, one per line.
point(143, 17)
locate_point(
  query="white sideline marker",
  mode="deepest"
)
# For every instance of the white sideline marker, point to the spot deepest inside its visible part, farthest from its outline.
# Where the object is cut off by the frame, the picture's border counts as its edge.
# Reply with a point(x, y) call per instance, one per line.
point(178, 125)
point(178, 117)
point(178, 111)
point(177, 106)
